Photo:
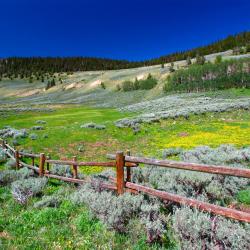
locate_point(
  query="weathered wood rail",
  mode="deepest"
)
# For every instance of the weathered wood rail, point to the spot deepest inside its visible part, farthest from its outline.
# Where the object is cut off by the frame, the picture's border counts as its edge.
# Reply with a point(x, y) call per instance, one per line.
point(123, 183)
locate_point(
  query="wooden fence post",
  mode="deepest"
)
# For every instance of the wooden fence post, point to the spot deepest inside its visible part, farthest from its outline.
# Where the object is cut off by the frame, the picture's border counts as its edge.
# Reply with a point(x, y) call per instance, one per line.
point(41, 165)
point(33, 161)
point(128, 169)
point(75, 174)
point(120, 162)
point(48, 157)
point(17, 159)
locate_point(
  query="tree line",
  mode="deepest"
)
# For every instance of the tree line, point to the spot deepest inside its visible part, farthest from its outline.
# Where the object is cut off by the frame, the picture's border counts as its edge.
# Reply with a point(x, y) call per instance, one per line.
point(208, 77)
point(41, 67)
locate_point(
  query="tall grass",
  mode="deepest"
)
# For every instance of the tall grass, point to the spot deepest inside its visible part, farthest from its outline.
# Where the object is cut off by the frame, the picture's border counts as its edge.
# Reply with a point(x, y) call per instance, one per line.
point(223, 75)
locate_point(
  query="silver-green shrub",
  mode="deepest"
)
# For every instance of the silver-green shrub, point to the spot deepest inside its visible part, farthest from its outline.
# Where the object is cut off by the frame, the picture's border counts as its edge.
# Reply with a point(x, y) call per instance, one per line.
point(112, 210)
point(9, 176)
point(23, 189)
point(197, 230)
point(181, 105)
point(207, 187)
point(62, 170)
point(10, 164)
point(53, 200)
point(3, 156)
point(13, 133)
point(93, 125)
point(41, 122)
point(33, 136)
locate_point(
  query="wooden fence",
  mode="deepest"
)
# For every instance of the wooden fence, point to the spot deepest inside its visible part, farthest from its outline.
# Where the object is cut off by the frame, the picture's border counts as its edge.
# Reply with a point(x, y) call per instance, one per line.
point(123, 183)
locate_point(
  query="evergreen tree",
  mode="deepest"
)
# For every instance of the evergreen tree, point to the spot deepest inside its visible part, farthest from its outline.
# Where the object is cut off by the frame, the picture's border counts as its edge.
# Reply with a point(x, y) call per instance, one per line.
point(218, 59)
point(136, 84)
point(189, 62)
point(103, 85)
point(171, 68)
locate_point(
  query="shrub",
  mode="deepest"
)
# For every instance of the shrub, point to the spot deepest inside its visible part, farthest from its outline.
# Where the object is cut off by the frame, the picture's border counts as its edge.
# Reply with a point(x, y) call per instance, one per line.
point(3, 156)
point(116, 213)
point(93, 125)
point(33, 136)
point(37, 128)
point(53, 200)
point(13, 133)
point(197, 230)
point(41, 122)
point(11, 164)
point(62, 170)
point(23, 189)
point(9, 176)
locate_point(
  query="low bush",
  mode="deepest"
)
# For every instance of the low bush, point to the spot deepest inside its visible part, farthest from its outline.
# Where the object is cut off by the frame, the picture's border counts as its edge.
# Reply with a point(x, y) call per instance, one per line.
point(55, 199)
point(9, 132)
point(3, 156)
point(33, 136)
point(22, 190)
point(196, 230)
point(114, 211)
point(93, 125)
point(9, 176)
point(37, 128)
point(62, 170)
point(41, 122)
point(10, 164)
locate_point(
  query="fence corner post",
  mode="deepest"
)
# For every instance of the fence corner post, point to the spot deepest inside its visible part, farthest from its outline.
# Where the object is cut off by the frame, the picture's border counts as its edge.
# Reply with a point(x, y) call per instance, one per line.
point(120, 163)
point(128, 179)
point(41, 164)
point(17, 159)
point(75, 174)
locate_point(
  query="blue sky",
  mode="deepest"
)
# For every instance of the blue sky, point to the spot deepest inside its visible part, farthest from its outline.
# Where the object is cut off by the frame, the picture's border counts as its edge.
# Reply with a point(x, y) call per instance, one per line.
point(125, 29)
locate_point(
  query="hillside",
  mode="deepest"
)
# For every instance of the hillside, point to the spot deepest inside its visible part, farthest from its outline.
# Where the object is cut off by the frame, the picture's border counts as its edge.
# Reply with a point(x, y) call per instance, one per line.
point(84, 87)
point(63, 134)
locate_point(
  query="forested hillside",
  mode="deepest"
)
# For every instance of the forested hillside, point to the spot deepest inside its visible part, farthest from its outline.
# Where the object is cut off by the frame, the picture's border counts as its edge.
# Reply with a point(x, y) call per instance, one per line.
point(18, 67)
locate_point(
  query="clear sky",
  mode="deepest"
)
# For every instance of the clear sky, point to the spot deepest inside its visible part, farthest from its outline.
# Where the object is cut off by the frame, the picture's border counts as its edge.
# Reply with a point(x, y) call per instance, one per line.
point(120, 29)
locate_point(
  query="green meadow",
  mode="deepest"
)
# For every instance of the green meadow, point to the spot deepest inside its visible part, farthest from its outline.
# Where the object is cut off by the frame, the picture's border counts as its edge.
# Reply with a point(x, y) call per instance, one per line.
point(63, 138)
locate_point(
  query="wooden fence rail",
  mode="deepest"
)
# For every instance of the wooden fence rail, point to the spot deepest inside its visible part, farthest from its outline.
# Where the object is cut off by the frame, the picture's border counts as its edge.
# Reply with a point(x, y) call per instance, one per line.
point(122, 183)
point(212, 169)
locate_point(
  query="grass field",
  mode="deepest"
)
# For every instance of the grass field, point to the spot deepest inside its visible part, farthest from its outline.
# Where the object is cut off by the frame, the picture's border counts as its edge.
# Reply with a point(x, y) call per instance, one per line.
point(70, 226)
point(65, 135)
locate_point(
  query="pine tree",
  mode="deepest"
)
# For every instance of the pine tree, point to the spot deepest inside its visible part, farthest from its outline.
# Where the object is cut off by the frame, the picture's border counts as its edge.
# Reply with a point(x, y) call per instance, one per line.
point(171, 68)
point(136, 84)
point(218, 59)
point(189, 62)
point(103, 85)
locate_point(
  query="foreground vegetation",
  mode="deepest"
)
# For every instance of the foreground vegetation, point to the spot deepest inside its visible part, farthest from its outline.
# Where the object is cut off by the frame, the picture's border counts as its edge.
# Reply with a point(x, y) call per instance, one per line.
point(56, 215)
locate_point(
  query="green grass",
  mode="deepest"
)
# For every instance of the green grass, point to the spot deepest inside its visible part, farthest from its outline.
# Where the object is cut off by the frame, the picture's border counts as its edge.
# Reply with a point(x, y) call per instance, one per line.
point(244, 196)
point(65, 135)
point(66, 227)
point(71, 226)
